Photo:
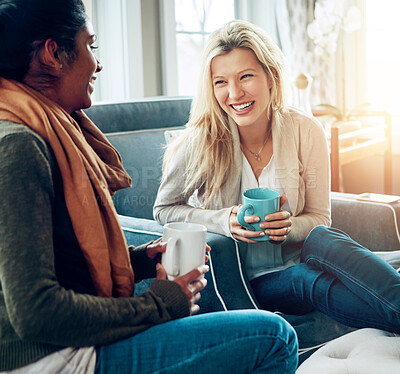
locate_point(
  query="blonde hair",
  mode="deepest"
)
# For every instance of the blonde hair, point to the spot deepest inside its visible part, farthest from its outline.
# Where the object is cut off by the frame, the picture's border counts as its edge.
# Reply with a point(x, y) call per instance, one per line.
point(208, 138)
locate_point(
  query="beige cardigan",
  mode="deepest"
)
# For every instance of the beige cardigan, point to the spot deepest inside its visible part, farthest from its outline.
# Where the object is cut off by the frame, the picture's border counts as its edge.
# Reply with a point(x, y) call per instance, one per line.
point(302, 165)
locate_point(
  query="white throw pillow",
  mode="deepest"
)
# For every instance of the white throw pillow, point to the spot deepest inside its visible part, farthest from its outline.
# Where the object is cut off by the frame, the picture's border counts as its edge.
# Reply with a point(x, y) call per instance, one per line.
point(171, 135)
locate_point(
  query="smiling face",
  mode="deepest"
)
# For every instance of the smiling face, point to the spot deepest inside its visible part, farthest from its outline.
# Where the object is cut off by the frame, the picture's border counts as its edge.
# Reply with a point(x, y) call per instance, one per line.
point(241, 87)
point(76, 83)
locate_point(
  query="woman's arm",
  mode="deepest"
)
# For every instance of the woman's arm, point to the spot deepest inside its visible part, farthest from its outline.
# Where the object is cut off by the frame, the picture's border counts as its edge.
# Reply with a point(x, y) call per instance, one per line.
point(171, 204)
point(314, 181)
point(38, 307)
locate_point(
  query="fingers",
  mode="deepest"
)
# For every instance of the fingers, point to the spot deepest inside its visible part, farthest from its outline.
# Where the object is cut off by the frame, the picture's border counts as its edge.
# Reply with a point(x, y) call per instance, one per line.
point(160, 272)
point(278, 216)
point(197, 286)
point(244, 235)
point(194, 309)
point(277, 225)
point(192, 284)
point(194, 295)
point(282, 201)
point(195, 274)
point(279, 235)
point(155, 248)
point(208, 249)
point(239, 232)
point(249, 219)
point(279, 230)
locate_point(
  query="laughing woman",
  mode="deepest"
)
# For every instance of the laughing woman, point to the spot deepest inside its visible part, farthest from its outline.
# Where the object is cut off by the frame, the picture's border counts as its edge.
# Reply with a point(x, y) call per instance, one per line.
point(66, 272)
point(241, 135)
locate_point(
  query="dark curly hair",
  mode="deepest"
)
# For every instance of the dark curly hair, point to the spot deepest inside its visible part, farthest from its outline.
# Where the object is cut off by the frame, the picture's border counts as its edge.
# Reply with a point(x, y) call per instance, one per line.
point(25, 25)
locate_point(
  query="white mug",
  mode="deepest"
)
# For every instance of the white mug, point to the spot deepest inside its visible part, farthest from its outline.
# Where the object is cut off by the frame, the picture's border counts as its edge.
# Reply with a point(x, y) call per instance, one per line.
point(186, 248)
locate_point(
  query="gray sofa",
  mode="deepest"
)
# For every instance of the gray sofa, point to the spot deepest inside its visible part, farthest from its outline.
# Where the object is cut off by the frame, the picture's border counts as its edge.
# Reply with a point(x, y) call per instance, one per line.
point(137, 130)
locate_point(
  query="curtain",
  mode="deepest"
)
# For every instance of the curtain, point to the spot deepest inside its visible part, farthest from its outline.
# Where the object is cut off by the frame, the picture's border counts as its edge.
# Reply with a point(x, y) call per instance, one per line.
point(292, 18)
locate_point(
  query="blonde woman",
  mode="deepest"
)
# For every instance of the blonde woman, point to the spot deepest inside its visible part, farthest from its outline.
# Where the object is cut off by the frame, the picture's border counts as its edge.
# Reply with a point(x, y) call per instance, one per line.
point(241, 135)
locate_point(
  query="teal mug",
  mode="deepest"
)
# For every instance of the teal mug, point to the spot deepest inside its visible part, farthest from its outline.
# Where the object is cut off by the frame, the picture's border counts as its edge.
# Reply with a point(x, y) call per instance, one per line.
point(258, 202)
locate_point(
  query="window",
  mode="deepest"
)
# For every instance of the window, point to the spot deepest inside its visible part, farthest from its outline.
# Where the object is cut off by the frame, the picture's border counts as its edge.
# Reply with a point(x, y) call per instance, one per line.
point(382, 35)
point(118, 27)
point(195, 20)
point(153, 47)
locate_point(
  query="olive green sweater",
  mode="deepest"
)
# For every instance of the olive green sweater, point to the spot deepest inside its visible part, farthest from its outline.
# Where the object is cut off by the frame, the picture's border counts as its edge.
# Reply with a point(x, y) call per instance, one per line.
point(47, 300)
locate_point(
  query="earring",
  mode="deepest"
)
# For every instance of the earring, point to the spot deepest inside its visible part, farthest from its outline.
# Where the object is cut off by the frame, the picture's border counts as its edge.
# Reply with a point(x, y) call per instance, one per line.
point(61, 66)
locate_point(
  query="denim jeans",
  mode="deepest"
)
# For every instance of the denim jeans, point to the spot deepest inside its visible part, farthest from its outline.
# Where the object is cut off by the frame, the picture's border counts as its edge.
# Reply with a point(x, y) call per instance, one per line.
point(338, 277)
point(223, 342)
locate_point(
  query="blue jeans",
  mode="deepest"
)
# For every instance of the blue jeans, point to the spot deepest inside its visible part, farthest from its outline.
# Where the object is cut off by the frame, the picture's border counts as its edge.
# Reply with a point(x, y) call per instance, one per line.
point(338, 277)
point(224, 342)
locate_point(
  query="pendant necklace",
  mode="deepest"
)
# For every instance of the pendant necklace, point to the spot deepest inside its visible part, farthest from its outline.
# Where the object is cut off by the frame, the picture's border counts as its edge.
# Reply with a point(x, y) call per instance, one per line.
point(257, 155)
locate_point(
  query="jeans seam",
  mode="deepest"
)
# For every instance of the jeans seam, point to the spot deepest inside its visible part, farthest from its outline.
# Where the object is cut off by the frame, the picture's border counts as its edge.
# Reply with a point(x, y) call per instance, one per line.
point(384, 301)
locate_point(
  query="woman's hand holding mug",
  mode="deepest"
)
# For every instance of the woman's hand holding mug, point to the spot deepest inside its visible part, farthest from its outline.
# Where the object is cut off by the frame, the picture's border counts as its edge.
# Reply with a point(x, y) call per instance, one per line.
point(183, 250)
point(277, 225)
point(238, 231)
point(158, 247)
point(246, 225)
point(191, 283)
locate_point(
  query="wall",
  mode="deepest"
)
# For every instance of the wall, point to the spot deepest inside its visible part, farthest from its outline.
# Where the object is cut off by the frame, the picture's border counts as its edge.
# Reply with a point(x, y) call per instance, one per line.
point(367, 175)
point(151, 47)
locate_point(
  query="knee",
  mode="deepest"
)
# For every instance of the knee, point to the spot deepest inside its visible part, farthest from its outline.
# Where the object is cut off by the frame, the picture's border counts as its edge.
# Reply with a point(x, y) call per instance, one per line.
point(318, 231)
point(321, 240)
point(286, 343)
point(315, 241)
point(322, 236)
point(274, 325)
point(290, 335)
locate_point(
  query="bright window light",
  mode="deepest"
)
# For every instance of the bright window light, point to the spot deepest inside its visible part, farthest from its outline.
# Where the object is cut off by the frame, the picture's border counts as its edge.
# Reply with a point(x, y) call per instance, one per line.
point(195, 20)
point(383, 54)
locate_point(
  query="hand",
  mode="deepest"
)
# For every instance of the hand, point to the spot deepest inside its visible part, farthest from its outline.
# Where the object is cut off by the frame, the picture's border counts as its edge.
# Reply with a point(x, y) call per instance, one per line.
point(155, 249)
point(190, 283)
point(208, 249)
point(277, 225)
point(240, 233)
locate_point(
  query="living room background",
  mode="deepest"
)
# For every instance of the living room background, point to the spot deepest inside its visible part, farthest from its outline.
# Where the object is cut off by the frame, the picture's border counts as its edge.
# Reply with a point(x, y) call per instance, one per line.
point(151, 48)
point(146, 46)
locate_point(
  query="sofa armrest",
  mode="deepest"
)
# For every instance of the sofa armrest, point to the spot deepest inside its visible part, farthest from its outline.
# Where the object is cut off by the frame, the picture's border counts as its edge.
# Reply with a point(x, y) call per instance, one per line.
point(372, 224)
point(139, 230)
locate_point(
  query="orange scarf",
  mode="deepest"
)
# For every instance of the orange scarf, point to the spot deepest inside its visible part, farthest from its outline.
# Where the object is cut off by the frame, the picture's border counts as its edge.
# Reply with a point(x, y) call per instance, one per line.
point(91, 170)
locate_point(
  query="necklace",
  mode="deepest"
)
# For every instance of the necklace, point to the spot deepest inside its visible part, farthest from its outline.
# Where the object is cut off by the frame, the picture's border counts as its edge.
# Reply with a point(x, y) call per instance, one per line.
point(257, 154)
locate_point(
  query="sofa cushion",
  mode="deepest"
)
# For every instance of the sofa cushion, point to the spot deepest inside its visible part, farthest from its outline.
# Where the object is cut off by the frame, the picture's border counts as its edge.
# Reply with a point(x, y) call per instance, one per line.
point(372, 224)
point(142, 152)
point(365, 351)
point(148, 113)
